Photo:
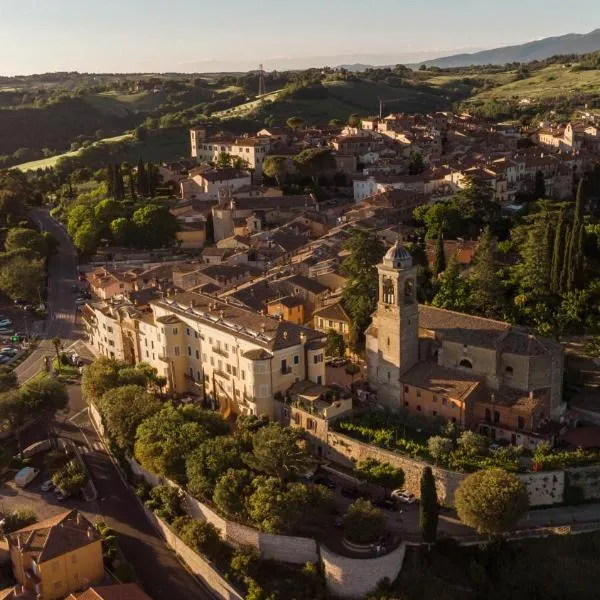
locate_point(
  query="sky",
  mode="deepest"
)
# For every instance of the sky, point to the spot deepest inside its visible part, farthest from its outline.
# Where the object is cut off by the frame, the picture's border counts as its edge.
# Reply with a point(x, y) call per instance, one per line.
point(39, 36)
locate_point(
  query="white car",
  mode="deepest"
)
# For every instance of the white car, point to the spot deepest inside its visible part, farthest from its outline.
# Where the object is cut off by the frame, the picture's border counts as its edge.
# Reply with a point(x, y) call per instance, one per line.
point(5, 323)
point(47, 486)
point(404, 496)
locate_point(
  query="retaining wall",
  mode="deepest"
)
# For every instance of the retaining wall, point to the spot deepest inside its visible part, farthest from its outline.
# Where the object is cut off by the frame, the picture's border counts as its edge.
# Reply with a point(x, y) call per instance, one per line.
point(283, 548)
point(198, 565)
point(587, 479)
point(356, 577)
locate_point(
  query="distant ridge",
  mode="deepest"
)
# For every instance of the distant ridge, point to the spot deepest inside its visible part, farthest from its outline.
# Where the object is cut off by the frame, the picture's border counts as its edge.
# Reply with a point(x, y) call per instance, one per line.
point(572, 43)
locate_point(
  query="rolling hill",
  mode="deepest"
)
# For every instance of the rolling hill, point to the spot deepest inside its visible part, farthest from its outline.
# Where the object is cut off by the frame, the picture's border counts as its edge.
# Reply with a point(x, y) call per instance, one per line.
point(572, 43)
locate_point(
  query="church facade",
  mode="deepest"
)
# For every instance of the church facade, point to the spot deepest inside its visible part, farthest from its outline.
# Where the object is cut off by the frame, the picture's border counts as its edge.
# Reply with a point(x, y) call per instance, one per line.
point(479, 373)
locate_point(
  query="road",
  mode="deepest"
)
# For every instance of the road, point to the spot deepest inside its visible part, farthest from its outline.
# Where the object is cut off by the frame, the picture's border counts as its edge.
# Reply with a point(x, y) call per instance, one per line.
point(62, 274)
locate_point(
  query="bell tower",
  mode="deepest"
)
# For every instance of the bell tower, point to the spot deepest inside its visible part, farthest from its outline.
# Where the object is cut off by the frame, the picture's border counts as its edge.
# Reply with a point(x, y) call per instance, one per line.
point(393, 342)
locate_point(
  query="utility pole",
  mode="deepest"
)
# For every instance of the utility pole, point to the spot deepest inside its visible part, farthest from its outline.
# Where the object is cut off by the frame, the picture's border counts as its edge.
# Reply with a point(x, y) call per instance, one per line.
point(262, 88)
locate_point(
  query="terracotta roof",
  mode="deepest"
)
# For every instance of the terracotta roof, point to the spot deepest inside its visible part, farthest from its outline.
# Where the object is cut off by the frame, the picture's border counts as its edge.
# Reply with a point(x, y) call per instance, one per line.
point(55, 536)
point(123, 591)
point(335, 312)
point(440, 380)
point(288, 301)
point(306, 283)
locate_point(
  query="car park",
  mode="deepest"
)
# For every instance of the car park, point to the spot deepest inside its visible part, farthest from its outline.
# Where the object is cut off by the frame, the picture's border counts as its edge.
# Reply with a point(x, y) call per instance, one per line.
point(403, 496)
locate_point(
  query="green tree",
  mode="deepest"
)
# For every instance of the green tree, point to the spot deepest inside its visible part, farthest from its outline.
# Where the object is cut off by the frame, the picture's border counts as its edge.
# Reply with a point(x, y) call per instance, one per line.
point(209, 462)
point(119, 185)
point(453, 290)
point(416, 164)
point(315, 162)
point(558, 252)
point(142, 186)
point(295, 123)
point(440, 219)
point(106, 211)
point(86, 239)
point(354, 120)
point(275, 167)
point(472, 443)
point(439, 263)
point(439, 448)
point(539, 190)
point(231, 491)
point(428, 507)
point(201, 537)
point(123, 410)
point(477, 207)
point(223, 161)
point(122, 230)
point(383, 474)
point(491, 501)
point(57, 346)
point(17, 519)
point(486, 289)
point(335, 346)
point(99, 377)
point(22, 278)
point(155, 226)
point(165, 439)
point(71, 478)
point(165, 501)
point(360, 266)
point(279, 451)
point(574, 257)
point(23, 238)
point(16, 411)
point(8, 379)
point(363, 523)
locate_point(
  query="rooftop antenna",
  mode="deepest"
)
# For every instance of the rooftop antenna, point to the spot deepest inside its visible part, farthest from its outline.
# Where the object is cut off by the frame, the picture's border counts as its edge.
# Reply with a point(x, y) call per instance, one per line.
point(262, 88)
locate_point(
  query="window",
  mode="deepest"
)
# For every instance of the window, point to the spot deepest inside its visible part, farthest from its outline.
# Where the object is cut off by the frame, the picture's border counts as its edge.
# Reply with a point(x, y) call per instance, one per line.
point(228, 368)
point(296, 360)
point(435, 399)
point(520, 423)
point(311, 424)
point(146, 343)
point(234, 371)
point(152, 345)
point(189, 350)
point(212, 361)
point(509, 370)
point(191, 373)
point(319, 380)
point(243, 375)
point(406, 389)
point(197, 355)
point(187, 331)
point(147, 354)
point(444, 401)
point(263, 391)
point(227, 347)
point(454, 420)
point(176, 351)
point(220, 365)
point(496, 417)
point(488, 415)
point(199, 375)
point(418, 393)
point(210, 341)
point(434, 413)
point(204, 357)
point(406, 404)
point(175, 331)
point(418, 408)
point(466, 364)
point(321, 323)
point(330, 323)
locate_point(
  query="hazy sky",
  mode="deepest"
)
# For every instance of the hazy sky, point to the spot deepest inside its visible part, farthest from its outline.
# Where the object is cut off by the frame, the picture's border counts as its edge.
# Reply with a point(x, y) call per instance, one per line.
point(157, 35)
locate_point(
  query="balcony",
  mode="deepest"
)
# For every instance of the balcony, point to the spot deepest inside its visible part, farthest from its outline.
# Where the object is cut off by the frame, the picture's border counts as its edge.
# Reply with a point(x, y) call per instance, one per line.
point(286, 370)
point(220, 352)
point(222, 375)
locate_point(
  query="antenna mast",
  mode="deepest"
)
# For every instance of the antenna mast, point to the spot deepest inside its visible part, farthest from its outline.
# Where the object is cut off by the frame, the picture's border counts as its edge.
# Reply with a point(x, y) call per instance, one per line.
point(262, 88)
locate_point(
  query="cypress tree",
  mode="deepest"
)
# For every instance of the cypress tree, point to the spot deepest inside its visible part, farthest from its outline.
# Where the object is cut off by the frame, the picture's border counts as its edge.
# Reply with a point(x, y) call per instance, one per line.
point(142, 179)
point(110, 179)
point(564, 273)
point(119, 186)
point(486, 288)
point(439, 265)
point(558, 250)
point(428, 508)
point(574, 241)
point(151, 174)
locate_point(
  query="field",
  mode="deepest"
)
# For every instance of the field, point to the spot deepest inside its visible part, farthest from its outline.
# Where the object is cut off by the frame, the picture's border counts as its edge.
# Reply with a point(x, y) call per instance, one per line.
point(552, 82)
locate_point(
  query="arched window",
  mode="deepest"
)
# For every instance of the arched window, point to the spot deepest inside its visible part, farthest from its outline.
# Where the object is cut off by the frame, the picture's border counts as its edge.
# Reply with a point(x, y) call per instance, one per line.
point(466, 364)
point(509, 370)
point(388, 342)
point(409, 291)
point(389, 295)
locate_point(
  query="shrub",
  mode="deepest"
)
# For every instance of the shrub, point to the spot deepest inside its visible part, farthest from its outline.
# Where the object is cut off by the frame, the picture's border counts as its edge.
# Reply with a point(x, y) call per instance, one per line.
point(165, 502)
point(19, 518)
point(201, 537)
point(71, 478)
point(363, 523)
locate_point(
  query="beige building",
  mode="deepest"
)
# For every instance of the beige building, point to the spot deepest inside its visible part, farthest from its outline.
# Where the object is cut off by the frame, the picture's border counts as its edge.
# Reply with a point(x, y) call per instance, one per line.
point(237, 358)
point(57, 556)
point(479, 373)
point(333, 317)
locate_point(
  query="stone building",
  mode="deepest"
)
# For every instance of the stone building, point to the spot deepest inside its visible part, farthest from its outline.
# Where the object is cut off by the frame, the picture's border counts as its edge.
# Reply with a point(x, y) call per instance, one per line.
point(479, 373)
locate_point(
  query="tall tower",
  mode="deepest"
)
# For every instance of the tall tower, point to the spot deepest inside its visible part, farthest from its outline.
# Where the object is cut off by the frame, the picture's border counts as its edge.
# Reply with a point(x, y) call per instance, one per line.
point(262, 88)
point(393, 339)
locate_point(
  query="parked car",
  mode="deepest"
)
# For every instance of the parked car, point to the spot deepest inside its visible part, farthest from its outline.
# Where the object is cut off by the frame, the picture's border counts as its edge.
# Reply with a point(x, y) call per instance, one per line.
point(48, 486)
point(26, 476)
point(80, 301)
point(5, 323)
point(61, 495)
point(8, 351)
point(4, 359)
point(404, 496)
point(337, 362)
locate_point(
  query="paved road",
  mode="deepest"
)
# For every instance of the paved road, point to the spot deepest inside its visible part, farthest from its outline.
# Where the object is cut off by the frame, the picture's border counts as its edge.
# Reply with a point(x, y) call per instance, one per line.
point(62, 274)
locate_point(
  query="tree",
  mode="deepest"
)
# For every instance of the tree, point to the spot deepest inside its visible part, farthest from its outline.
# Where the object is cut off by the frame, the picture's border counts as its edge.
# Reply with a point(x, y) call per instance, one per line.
point(71, 478)
point(86, 239)
point(19, 238)
point(209, 462)
point(315, 162)
point(279, 451)
point(16, 411)
point(231, 491)
point(295, 123)
point(275, 167)
point(17, 519)
point(428, 507)
point(204, 538)
point(574, 258)
point(359, 296)
point(539, 190)
point(416, 164)
point(477, 207)
point(267, 505)
point(335, 346)
point(123, 410)
point(486, 290)
point(142, 187)
point(11, 206)
point(352, 369)
point(354, 120)
point(363, 523)
point(22, 278)
point(106, 211)
point(8, 379)
point(57, 346)
point(384, 474)
point(440, 219)
point(140, 133)
point(223, 161)
point(453, 290)
point(558, 251)
point(119, 184)
point(472, 443)
point(439, 263)
point(45, 397)
point(491, 501)
point(439, 447)
point(165, 439)
point(155, 226)
point(99, 377)
point(122, 230)
point(165, 501)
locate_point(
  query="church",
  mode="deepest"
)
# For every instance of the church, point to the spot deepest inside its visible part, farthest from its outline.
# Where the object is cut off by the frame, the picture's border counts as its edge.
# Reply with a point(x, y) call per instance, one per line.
point(488, 376)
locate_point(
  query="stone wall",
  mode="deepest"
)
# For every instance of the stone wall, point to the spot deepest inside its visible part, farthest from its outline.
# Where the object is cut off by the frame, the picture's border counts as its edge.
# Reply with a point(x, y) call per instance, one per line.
point(356, 577)
point(587, 479)
point(347, 451)
point(198, 565)
point(544, 488)
point(284, 548)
